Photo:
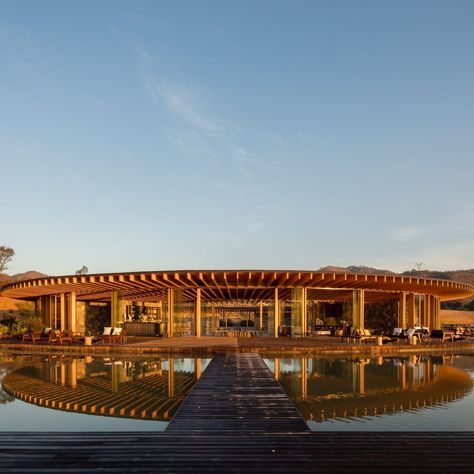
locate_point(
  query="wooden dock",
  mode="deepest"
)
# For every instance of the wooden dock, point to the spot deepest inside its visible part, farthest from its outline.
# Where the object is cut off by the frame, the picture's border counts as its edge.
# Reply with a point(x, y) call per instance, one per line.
point(237, 419)
point(237, 393)
point(388, 453)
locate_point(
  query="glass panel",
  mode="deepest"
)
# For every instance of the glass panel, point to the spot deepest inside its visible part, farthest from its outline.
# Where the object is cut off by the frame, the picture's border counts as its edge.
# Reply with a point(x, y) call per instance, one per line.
point(184, 316)
point(291, 321)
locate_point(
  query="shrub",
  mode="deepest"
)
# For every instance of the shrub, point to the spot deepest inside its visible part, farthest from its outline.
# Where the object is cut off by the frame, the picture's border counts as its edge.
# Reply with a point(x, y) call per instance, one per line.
point(18, 328)
point(26, 310)
point(4, 329)
point(32, 323)
point(9, 322)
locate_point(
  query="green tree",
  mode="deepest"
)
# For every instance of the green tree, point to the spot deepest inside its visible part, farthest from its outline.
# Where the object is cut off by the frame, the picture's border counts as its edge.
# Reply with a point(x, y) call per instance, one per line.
point(6, 254)
point(82, 271)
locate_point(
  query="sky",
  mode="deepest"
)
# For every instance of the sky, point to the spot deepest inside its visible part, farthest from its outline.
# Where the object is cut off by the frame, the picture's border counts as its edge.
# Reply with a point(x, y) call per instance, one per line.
point(160, 135)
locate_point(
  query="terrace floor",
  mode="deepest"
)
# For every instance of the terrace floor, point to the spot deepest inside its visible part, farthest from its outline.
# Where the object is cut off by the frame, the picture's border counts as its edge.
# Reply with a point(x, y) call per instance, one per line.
point(213, 344)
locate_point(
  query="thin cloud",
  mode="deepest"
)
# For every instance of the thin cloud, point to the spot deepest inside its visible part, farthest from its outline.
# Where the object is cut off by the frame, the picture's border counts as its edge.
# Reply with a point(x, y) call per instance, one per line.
point(405, 233)
point(179, 103)
point(242, 162)
point(195, 130)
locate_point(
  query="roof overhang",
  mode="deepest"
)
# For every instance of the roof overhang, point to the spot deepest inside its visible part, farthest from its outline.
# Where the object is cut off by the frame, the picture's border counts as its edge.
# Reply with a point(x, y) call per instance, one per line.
point(221, 285)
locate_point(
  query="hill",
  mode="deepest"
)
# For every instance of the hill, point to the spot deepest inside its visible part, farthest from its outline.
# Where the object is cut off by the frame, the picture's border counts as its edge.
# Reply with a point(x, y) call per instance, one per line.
point(11, 307)
point(30, 275)
point(449, 316)
point(464, 276)
point(356, 269)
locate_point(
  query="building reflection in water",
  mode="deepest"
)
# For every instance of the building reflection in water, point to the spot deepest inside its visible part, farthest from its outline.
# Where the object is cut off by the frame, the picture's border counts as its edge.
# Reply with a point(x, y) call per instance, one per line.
point(145, 389)
point(323, 388)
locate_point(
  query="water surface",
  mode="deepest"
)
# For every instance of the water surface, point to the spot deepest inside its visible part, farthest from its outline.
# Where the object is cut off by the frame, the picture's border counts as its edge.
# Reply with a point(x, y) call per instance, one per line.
point(412, 393)
point(64, 393)
point(93, 394)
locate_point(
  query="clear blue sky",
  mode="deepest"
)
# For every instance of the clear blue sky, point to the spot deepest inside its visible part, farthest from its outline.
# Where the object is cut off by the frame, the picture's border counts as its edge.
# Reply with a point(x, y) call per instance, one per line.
point(148, 135)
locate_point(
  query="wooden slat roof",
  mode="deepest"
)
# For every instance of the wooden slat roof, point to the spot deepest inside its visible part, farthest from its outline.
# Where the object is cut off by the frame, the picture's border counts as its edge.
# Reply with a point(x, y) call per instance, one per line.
point(220, 285)
point(144, 398)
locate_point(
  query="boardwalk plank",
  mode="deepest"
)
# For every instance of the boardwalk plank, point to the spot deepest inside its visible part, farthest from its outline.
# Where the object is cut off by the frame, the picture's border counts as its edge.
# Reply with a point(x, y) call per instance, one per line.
point(236, 393)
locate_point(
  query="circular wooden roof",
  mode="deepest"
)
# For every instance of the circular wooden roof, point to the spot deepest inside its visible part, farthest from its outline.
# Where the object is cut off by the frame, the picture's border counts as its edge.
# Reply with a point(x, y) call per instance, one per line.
point(245, 285)
point(145, 398)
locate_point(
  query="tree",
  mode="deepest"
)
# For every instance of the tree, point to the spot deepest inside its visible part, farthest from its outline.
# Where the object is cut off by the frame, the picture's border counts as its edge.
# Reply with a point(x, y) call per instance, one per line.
point(82, 271)
point(6, 254)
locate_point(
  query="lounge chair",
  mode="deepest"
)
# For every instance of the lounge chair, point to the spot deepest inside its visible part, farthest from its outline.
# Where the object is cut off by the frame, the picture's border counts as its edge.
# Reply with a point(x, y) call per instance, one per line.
point(70, 336)
point(361, 335)
point(111, 335)
point(34, 336)
point(55, 336)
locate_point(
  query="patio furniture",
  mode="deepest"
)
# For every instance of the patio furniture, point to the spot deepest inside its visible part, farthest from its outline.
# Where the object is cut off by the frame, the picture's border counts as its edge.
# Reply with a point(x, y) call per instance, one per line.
point(361, 335)
point(115, 335)
point(421, 334)
point(443, 335)
point(34, 336)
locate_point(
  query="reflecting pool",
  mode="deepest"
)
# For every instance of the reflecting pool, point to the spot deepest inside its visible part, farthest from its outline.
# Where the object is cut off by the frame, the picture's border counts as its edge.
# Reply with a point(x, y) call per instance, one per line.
point(412, 393)
point(58, 393)
point(407, 393)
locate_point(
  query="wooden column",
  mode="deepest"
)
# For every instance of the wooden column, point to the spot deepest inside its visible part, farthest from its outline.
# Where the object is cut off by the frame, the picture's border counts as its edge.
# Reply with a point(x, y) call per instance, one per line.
point(361, 378)
point(402, 310)
point(114, 309)
point(304, 378)
point(170, 377)
point(72, 376)
point(435, 316)
point(198, 313)
point(197, 368)
point(402, 375)
point(419, 310)
point(358, 307)
point(277, 369)
point(276, 317)
point(358, 377)
point(62, 312)
point(304, 312)
point(72, 313)
point(438, 313)
point(427, 310)
point(54, 299)
point(62, 369)
point(411, 310)
point(116, 375)
point(170, 312)
point(260, 318)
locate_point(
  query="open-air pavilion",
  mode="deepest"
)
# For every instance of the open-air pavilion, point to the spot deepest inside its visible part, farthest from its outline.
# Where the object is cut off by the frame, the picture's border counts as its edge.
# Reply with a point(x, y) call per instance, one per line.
point(205, 302)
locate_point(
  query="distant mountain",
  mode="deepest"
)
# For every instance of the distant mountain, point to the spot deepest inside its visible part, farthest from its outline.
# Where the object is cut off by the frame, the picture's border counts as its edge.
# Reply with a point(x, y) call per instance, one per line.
point(28, 275)
point(6, 279)
point(356, 269)
point(464, 276)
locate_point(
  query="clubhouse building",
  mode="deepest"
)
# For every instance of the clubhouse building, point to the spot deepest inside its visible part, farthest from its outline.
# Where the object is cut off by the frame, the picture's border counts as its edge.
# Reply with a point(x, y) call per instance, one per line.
point(206, 302)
